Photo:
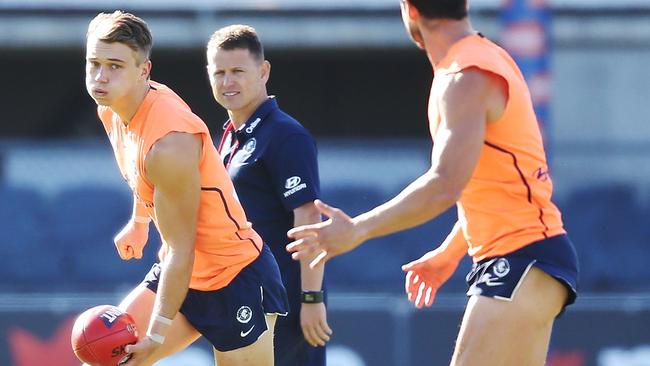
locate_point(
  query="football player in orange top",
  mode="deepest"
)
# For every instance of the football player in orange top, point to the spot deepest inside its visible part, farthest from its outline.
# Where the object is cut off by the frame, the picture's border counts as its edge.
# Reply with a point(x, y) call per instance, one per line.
point(216, 277)
point(488, 159)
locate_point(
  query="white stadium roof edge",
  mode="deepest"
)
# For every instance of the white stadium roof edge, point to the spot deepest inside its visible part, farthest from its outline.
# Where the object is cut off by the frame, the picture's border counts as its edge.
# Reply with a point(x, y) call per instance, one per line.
point(342, 24)
point(286, 4)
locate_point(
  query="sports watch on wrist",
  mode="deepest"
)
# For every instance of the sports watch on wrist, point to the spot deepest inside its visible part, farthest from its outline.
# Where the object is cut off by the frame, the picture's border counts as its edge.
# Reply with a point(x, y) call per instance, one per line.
point(312, 297)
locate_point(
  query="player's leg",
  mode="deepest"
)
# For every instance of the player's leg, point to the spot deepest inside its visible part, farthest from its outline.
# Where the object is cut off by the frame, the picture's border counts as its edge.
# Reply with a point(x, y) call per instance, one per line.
point(239, 319)
point(511, 333)
point(139, 304)
point(259, 353)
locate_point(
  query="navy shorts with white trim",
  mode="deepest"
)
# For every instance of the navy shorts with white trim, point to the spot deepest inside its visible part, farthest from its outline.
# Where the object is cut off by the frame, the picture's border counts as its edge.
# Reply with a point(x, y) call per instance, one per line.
point(500, 277)
point(234, 316)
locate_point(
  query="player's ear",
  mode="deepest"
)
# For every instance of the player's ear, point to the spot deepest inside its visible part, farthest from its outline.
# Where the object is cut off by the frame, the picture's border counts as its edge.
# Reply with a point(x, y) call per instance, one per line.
point(412, 12)
point(146, 69)
point(266, 70)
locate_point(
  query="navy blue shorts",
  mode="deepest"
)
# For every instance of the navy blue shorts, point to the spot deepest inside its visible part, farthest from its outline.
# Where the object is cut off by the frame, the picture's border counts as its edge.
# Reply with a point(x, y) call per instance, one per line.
point(500, 277)
point(234, 316)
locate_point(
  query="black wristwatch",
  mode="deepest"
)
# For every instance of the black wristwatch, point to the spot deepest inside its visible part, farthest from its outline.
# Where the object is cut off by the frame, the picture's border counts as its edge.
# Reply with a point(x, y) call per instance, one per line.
point(312, 297)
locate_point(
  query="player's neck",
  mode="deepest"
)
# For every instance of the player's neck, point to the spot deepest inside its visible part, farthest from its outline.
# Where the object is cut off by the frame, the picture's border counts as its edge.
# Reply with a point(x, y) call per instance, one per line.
point(127, 110)
point(442, 35)
point(240, 116)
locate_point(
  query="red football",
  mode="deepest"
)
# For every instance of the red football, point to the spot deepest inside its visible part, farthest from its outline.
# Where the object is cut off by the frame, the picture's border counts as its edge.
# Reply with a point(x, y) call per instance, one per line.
point(100, 335)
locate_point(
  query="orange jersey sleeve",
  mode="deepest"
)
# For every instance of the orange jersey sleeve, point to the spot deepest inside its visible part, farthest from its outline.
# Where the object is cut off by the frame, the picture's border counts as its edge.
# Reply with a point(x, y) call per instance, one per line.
point(507, 203)
point(225, 241)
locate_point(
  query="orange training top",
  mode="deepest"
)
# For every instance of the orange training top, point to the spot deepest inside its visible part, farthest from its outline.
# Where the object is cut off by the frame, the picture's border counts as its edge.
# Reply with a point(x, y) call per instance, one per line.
point(225, 241)
point(507, 203)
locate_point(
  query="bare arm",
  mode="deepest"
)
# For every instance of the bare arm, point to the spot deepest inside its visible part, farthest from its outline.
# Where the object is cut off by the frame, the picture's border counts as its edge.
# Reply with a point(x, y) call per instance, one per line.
point(140, 214)
point(130, 241)
point(310, 279)
point(172, 166)
point(463, 109)
point(455, 245)
point(469, 100)
point(424, 276)
point(313, 317)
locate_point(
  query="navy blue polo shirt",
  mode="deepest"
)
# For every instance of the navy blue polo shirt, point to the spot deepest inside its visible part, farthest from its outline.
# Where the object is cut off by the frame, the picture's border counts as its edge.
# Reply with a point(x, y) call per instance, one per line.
point(272, 161)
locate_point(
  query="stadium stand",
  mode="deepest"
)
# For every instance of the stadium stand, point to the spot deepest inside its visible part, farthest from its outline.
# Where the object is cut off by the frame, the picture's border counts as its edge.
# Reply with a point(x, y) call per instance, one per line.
point(381, 259)
point(84, 222)
point(67, 242)
point(30, 259)
point(606, 224)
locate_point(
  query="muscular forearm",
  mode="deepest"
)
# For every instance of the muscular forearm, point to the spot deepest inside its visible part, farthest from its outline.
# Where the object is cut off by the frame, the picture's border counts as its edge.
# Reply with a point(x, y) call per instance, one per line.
point(422, 200)
point(310, 279)
point(174, 282)
point(455, 245)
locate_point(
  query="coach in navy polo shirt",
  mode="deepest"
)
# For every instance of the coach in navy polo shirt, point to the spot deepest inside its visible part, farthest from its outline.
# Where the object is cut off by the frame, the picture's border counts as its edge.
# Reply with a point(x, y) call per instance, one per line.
point(272, 161)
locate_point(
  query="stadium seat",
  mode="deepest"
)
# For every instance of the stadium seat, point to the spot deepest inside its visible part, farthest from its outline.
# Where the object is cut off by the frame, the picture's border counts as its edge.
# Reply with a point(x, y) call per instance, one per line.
point(84, 222)
point(353, 199)
point(606, 225)
point(343, 272)
point(31, 259)
point(376, 265)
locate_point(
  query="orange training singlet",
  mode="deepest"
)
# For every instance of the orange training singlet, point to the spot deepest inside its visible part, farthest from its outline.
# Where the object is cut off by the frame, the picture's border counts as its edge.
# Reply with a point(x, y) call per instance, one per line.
point(225, 240)
point(507, 203)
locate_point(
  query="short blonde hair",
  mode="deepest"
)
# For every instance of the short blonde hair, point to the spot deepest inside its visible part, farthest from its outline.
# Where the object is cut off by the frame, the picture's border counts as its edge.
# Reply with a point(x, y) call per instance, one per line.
point(237, 36)
point(124, 28)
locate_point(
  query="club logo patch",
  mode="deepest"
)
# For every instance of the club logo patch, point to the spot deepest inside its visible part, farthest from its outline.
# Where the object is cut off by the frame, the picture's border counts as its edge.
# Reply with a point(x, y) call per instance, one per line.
point(292, 182)
point(293, 185)
point(244, 314)
point(249, 146)
point(501, 268)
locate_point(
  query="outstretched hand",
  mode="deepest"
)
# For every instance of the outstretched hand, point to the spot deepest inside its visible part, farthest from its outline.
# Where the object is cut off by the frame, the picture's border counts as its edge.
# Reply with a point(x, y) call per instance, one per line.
point(426, 275)
point(330, 238)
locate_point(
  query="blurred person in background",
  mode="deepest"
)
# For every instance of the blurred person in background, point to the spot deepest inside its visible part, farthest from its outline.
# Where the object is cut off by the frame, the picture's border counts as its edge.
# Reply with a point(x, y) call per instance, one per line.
point(272, 160)
point(489, 159)
point(216, 277)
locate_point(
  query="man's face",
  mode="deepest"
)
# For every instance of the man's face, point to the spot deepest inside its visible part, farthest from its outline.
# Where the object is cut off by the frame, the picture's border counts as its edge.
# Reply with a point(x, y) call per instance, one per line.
point(112, 71)
point(411, 26)
point(237, 78)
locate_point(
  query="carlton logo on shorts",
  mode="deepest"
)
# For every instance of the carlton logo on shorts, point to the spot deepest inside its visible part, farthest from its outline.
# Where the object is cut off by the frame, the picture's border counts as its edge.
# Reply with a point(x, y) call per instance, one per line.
point(244, 314)
point(501, 267)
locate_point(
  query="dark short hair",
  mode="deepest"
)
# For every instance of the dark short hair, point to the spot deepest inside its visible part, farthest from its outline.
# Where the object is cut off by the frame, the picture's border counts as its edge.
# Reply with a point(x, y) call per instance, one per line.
point(237, 36)
point(124, 28)
point(441, 9)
